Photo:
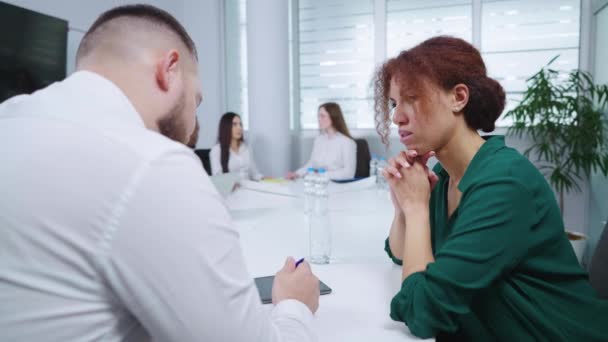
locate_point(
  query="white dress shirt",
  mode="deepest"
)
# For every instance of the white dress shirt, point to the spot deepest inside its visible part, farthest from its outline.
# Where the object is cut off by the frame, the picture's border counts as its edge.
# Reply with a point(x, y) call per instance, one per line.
point(240, 161)
point(110, 231)
point(336, 153)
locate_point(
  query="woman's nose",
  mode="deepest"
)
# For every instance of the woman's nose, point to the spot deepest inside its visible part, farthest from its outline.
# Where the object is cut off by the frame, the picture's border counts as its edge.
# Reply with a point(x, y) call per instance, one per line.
point(399, 117)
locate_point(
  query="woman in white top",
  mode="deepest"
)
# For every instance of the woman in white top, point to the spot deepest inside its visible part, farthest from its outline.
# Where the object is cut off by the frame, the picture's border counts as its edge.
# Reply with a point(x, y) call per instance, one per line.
point(334, 149)
point(231, 154)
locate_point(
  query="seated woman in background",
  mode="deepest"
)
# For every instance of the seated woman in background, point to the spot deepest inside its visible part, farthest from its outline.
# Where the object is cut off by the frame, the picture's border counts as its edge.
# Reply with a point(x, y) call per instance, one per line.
point(231, 153)
point(334, 149)
point(480, 238)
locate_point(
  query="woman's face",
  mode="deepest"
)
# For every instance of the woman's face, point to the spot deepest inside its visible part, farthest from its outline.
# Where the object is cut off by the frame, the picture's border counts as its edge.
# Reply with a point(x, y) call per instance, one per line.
point(324, 119)
point(237, 128)
point(425, 118)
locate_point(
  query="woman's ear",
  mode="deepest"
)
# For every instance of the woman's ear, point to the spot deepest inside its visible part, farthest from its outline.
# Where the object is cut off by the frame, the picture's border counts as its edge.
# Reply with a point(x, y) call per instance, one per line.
point(460, 97)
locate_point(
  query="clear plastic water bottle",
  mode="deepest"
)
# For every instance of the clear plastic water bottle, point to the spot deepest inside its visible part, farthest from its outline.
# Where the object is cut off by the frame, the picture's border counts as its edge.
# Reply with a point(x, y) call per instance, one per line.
point(380, 180)
point(309, 189)
point(320, 230)
point(373, 166)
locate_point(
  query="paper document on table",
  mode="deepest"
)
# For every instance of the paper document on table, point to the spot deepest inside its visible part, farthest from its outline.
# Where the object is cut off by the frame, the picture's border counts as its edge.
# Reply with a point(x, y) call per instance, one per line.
point(225, 182)
point(277, 188)
point(281, 181)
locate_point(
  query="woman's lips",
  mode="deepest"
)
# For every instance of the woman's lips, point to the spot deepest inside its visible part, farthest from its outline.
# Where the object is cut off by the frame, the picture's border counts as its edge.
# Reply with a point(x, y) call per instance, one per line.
point(405, 136)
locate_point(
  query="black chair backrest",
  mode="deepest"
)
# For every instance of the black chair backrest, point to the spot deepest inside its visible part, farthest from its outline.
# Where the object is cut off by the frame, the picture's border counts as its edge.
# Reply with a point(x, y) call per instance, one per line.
point(363, 158)
point(203, 154)
point(598, 274)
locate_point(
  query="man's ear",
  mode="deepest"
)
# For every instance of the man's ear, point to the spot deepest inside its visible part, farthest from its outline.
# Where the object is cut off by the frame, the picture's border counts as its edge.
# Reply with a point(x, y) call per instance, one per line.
point(460, 97)
point(167, 69)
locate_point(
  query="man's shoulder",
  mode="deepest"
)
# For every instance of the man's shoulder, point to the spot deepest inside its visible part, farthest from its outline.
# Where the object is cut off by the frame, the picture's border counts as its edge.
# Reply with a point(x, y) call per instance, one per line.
point(147, 145)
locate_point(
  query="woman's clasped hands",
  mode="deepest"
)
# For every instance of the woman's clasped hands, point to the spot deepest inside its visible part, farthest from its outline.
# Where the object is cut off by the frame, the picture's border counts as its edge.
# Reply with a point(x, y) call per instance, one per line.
point(410, 180)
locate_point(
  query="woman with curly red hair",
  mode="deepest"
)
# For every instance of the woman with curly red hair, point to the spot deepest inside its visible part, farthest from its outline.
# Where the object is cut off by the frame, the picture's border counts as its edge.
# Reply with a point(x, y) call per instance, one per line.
point(480, 237)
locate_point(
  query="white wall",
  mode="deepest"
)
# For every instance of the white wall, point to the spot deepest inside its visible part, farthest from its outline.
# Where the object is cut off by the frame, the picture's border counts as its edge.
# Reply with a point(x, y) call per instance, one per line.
point(203, 20)
point(268, 64)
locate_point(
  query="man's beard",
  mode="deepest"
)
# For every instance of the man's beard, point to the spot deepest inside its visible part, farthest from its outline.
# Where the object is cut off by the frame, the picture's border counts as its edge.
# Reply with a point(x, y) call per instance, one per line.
point(173, 124)
point(194, 136)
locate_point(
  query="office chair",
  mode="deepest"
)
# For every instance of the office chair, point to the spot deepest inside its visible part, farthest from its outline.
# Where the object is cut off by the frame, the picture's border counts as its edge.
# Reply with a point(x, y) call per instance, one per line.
point(203, 154)
point(363, 158)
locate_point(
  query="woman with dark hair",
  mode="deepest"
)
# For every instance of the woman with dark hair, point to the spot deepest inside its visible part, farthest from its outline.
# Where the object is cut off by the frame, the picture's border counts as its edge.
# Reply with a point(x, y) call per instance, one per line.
point(480, 238)
point(334, 149)
point(231, 154)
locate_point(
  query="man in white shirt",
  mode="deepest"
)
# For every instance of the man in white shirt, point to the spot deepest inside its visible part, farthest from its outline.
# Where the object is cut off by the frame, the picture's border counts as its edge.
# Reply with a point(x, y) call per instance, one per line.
point(111, 231)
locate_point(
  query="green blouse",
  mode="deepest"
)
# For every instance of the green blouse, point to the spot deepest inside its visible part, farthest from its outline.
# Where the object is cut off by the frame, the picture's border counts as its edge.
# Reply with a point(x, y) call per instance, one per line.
point(504, 269)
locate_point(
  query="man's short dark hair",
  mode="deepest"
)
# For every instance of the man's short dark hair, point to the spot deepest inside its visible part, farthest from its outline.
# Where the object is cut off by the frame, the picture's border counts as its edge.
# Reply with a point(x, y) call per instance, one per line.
point(140, 11)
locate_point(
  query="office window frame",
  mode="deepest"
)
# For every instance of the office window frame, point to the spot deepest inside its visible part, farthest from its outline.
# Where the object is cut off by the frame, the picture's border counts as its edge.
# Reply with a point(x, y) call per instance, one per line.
point(380, 53)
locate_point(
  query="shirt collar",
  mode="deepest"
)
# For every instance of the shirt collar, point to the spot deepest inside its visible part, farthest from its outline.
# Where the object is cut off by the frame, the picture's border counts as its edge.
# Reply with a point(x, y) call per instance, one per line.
point(493, 143)
point(491, 146)
point(102, 99)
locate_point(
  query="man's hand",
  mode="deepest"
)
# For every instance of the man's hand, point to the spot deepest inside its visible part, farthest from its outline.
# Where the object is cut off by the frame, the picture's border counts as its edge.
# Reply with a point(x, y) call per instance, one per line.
point(296, 283)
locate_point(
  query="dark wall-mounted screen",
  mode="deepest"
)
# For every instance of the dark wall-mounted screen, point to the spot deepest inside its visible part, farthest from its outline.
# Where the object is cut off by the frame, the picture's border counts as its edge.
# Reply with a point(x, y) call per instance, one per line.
point(32, 50)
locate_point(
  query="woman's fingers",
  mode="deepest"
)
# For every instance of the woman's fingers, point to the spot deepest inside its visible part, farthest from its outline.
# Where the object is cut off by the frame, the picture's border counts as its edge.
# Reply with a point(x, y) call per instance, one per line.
point(391, 171)
point(410, 156)
point(433, 178)
point(406, 159)
point(423, 159)
point(402, 160)
point(394, 165)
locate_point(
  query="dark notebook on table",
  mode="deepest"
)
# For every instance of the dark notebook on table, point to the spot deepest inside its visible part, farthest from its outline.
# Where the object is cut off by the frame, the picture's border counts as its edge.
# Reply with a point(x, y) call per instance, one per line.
point(264, 285)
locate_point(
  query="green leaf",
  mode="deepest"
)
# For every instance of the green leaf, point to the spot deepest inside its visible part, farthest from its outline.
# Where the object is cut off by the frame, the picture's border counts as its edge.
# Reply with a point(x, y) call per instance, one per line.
point(564, 118)
point(552, 60)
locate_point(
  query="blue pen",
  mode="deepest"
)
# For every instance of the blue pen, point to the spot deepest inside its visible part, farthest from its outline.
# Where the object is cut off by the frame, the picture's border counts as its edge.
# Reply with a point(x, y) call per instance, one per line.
point(299, 262)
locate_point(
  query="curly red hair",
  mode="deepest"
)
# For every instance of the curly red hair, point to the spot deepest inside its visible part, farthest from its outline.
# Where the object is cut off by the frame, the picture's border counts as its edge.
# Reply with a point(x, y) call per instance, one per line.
point(444, 62)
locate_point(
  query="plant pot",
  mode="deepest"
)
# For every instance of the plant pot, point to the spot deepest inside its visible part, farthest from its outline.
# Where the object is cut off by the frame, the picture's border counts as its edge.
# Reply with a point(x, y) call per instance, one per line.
point(578, 242)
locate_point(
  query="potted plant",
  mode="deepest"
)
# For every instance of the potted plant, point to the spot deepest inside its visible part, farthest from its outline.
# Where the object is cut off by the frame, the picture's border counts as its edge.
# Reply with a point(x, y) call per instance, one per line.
point(564, 116)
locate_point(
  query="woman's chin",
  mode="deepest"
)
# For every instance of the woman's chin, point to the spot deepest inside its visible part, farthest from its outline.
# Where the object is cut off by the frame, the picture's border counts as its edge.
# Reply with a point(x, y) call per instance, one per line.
point(420, 150)
point(410, 146)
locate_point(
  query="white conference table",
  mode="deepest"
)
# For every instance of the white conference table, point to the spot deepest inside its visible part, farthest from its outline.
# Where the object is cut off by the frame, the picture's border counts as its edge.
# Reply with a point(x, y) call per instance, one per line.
point(272, 226)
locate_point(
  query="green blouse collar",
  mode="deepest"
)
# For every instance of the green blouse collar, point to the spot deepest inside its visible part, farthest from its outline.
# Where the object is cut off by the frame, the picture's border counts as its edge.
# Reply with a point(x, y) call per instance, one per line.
point(493, 143)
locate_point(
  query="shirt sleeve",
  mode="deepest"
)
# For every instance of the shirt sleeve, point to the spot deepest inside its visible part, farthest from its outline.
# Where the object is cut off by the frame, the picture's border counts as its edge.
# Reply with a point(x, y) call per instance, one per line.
point(489, 238)
point(215, 160)
point(387, 249)
point(348, 153)
point(174, 261)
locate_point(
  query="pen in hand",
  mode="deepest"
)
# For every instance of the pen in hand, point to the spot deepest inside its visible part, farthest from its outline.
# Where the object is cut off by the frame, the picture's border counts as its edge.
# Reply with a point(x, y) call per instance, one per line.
point(299, 262)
